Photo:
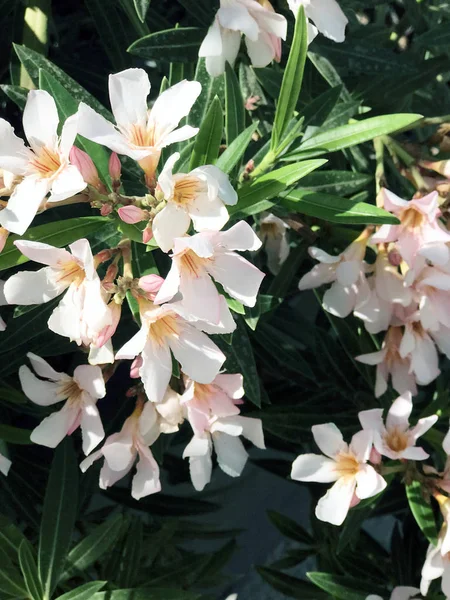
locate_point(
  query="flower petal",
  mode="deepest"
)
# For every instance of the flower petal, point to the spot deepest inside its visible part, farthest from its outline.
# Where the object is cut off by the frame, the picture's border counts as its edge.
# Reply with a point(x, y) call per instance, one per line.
point(54, 428)
point(314, 467)
point(371, 419)
point(134, 346)
point(156, 370)
point(44, 393)
point(40, 120)
point(399, 413)
point(239, 277)
point(170, 223)
point(128, 91)
point(14, 156)
point(90, 379)
point(199, 357)
point(231, 384)
point(23, 204)
point(91, 427)
point(329, 439)
point(43, 369)
point(146, 481)
point(231, 454)
point(334, 506)
point(68, 183)
point(368, 482)
point(239, 237)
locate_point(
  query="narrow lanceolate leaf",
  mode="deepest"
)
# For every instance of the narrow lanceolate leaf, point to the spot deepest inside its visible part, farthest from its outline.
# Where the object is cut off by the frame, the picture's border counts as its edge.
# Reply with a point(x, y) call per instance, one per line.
point(58, 233)
point(58, 516)
point(292, 80)
point(235, 151)
point(16, 93)
point(29, 571)
point(353, 134)
point(209, 138)
point(15, 435)
point(84, 592)
point(141, 7)
point(173, 45)
point(291, 586)
point(146, 594)
point(336, 210)
point(93, 546)
point(344, 588)
point(68, 105)
point(234, 106)
point(422, 511)
point(290, 528)
point(257, 196)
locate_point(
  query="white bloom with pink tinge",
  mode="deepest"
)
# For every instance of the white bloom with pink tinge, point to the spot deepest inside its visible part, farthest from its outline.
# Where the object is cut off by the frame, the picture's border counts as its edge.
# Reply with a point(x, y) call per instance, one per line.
point(200, 196)
point(396, 439)
point(273, 234)
point(390, 362)
point(344, 464)
point(82, 313)
point(44, 166)
point(120, 451)
point(419, 228)
point(431, 290)
point(263, 29)
point(164, 330)
point(214, 417)
point(436, 565)
point(420, 349)
point(140, 133)
point(326, 15)
point(80, 392)
point(199, 259)
point(401, 592)
point(346, 272)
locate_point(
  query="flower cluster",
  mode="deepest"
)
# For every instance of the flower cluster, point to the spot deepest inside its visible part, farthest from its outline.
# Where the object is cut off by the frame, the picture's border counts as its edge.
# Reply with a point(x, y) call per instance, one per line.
point(405, 292)
point(176, 314)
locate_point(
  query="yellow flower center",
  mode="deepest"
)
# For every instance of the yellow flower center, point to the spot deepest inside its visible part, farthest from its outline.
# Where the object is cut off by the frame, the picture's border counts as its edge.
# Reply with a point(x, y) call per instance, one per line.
point(70, 272)
point(71, 391)
point(396, 439)
point(142, 136)
point(192, 264)
point(411, 218)
point(46, 162)
point(186, 190)
point(162, 328)
point(347, 464)
point(270, 230)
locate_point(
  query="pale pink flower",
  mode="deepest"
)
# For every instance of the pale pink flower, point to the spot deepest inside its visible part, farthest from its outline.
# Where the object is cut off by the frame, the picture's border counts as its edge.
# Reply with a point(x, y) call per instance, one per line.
point(5, 465)
point(199, 259)
point(164, 330)
point(273, 234)
point(263, 29)
point(214, 417)
point(346, 272)
point(396, 439)
point(431, 290)
point(140, 133)
point(436, 565)
point(44, 166)
point(326, 15)
point(389, 363)
point(200, 196)
point(419, 348)
point(419, 227)
point(82, 312)
point(80, 392)
point(344, 464)
point(120, 451)
point(398, 593)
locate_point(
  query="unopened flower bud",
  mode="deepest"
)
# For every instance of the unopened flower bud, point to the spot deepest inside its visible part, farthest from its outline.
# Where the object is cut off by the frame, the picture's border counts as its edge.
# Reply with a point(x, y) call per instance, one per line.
point(135, 366)
point(151, 284)
point(115, 171)
point(107, 332)
point(83, 162)
point(132, 214)
point(106, 210)
point(395, 258)
point(375, 457)
point(147, 234)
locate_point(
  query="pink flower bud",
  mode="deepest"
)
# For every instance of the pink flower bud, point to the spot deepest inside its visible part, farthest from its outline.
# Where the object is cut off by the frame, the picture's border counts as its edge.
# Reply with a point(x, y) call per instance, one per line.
point(115, 167)
point(103, 256)
point(3, 237)
point(395, 258)
point(107, 332)
point(375, 457)
point(151, 284)
point(135, 366)
point(147, 234)
point(131, 214)
point(106, 210)
point(83, 162)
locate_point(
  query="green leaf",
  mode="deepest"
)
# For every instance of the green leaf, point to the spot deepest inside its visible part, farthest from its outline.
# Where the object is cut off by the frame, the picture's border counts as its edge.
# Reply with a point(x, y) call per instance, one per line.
point(131, 554)
point(141, 7)
point(67, 106)
point(257, 195)
point(10, 538)
point(109, 23)
point(344, 588)
point(292, 80)
point(173, 45)
point(290, 586)
point(11, 583)
point(353, 134)
point(290, 528)
point(146, 594)
point(58, 233)
point(29, 571)
point(16, 93)
point(316, 112)
point(211, 87)
point(422, 511)
point(336, 210)
point(234, 106)
point(83, 592)
point(235, 151)
point(341, 183)
point(14, 435)
point(209, 138)
point(93, 546)
point(33, 61)
point(58, 516)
